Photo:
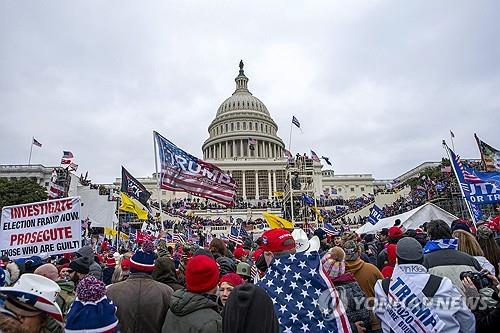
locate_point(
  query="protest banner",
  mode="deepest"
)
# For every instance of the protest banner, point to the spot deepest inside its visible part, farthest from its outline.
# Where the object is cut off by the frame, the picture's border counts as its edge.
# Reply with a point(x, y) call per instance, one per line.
point(49, 227)
point(407, 310)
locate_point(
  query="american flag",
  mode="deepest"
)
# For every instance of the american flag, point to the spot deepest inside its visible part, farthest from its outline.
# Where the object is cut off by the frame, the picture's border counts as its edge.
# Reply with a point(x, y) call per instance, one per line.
point(39, 302)
point(315, 157)
point(304, 298)
point(329, 229)
point(235, 235)
point(55, 191)
point(178, 238)
point(468, 175)
point(181, 171)
point(295, 121)
point(67, 154)
point(36, 143)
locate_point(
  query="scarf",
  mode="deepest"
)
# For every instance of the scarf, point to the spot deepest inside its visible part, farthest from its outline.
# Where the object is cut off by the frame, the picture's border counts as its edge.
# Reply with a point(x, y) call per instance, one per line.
point(440, 244)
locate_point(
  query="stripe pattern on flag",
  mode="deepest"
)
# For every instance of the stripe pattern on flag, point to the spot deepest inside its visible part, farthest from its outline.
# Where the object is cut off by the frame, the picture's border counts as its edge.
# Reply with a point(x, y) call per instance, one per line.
point(180, 171)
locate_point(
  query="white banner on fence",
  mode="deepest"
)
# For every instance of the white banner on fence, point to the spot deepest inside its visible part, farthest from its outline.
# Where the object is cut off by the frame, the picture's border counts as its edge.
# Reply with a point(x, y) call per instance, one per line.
point(47, 227)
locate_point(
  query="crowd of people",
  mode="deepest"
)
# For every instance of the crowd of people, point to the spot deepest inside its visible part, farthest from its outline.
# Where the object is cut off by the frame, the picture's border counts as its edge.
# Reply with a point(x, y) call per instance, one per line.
point(247, 287)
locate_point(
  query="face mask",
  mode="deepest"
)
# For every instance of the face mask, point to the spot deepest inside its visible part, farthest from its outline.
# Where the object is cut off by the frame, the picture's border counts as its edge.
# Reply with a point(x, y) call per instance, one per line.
point(261, 263)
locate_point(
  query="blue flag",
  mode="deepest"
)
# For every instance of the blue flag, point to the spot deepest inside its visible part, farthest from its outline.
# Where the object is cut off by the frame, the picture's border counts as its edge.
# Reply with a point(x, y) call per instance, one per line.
point(478, 187)
point(307, 199)
point(376, 213)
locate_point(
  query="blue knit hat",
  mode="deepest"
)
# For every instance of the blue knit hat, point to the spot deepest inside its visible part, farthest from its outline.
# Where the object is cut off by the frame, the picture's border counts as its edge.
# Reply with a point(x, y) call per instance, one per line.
point(91, 311)
point(143, 260)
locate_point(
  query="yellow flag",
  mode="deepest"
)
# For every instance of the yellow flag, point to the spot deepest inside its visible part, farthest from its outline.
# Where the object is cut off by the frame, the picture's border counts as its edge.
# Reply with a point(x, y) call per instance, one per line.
point(318, 213)
point(276, 222)
point(109, 231)
point(128, 205)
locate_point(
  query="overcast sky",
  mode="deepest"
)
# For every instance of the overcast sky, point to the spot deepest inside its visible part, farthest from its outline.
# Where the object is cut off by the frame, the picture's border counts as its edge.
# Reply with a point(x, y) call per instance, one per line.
point(376, 85)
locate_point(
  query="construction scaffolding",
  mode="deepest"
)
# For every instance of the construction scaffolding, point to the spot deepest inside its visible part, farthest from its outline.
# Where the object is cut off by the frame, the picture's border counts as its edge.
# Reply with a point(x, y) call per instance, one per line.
point(299, 198)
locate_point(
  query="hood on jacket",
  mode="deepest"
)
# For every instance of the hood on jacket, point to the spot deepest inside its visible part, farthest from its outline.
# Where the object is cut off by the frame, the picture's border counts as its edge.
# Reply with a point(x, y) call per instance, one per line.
point(86, 251)
point(355, 265)
point(67, 286)
point(164, 271)
point(184, 302)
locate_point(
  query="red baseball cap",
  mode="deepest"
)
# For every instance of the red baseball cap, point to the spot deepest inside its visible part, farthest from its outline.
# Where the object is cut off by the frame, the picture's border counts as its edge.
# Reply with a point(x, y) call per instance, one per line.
point(395, 232)
point(276, 240)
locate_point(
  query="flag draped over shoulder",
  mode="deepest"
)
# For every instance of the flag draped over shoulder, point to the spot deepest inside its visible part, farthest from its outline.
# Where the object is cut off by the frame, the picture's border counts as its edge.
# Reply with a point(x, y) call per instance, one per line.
point(181, 171)
point(133, 188)
point(489, 155)
point(276, 222)
point(128, 205)
point(304, 298)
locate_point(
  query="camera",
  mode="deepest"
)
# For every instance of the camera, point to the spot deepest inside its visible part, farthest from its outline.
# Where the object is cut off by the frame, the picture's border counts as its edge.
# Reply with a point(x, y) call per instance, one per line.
point(479, 279)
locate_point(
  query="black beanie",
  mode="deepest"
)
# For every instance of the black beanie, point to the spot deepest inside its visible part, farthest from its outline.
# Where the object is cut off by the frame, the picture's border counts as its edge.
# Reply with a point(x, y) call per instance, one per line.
point(80, 265)
point(249, 309)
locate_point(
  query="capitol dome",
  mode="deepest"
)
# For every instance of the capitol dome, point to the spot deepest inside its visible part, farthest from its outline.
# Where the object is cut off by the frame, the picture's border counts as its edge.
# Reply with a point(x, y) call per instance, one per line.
point(242, 128)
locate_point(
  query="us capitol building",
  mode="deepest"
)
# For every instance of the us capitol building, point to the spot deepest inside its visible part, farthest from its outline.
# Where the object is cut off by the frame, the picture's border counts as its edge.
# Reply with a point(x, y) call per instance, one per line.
point(243, 141)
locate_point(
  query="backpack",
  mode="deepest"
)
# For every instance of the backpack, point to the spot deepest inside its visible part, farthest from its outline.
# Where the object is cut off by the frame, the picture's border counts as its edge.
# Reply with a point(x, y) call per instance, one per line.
point(430, 288)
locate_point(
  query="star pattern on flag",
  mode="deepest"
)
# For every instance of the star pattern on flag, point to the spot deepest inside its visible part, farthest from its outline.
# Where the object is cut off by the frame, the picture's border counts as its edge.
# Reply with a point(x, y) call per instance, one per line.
point(296, 283)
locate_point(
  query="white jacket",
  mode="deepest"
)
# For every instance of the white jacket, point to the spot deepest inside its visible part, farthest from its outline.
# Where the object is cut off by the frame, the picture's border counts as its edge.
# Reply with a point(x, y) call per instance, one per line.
point(457, 318)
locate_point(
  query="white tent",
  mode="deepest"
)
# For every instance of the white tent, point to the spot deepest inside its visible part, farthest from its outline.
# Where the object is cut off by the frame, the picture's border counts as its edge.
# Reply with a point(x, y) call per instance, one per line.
point(411, 219)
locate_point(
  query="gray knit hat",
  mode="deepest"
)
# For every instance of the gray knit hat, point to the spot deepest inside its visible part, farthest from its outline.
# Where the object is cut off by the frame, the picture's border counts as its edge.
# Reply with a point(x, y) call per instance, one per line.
point(409, 249)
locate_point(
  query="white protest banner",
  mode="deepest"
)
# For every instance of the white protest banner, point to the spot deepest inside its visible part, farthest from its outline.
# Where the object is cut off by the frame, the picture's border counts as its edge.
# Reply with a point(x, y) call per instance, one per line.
point(51, 227)
point(406, 309)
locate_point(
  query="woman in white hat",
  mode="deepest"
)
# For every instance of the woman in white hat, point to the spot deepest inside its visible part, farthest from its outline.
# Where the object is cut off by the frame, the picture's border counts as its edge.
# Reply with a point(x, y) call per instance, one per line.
point(30, 302)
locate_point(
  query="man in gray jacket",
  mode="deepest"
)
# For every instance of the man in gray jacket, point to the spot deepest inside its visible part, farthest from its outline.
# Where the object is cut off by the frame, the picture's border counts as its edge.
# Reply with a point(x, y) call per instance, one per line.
point(445, 299)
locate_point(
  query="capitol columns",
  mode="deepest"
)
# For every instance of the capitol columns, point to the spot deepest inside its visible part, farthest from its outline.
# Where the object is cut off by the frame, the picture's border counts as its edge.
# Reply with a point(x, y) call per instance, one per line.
point(274, 182)
point(241, 147)
point(270, 191)
point(244, 185)
point(234, 148)
point(257, 185)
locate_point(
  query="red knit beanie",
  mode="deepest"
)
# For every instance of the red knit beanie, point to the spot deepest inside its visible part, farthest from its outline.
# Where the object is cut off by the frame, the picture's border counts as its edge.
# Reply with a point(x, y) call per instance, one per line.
point(110, 261)
point(276, 240)
point(202, 274)
point(232, 278)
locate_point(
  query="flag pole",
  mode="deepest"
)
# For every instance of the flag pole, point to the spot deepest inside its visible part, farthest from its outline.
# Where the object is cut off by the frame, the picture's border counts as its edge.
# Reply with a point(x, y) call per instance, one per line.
point(452, 135)
point(290, 139)
point(460, 184)
point(31, 150)
point(158, 181)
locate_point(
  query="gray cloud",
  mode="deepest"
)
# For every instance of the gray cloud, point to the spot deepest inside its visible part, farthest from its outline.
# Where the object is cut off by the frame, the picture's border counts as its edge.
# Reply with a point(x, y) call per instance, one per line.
point(376, 85)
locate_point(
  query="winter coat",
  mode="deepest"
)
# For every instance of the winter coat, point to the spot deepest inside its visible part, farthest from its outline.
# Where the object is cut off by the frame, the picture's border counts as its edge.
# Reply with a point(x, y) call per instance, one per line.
point(192, 313)
point(66, 296)
point(107, 274)
point(95, 269)
point(485, 264)
point(351, 294)
point(450, 263)
point(367, 275)
point(164, 272)
point(487, 319)
point(457, 318)
point(141, 301)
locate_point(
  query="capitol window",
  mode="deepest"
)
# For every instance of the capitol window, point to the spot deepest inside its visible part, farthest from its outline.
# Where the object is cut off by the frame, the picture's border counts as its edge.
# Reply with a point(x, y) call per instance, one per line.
point(244, 125)
point(250, 126)
point(238, 126)
point(232, 126)
point(226, 127)
point(261, 128)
